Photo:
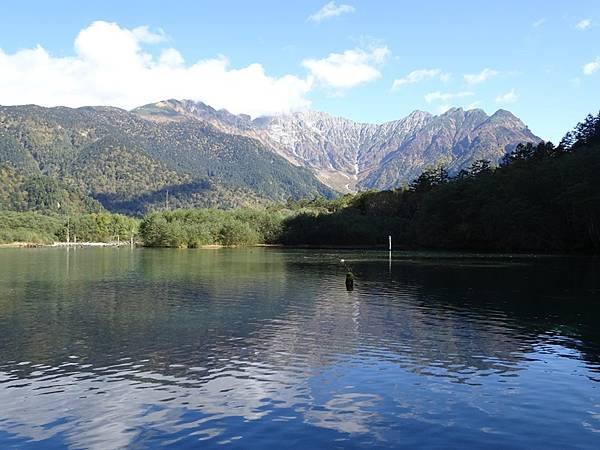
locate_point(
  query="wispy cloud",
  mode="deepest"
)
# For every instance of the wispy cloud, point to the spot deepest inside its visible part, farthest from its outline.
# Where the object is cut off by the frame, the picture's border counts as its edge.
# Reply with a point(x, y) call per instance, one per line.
point(508, 97)
point(416, 76)
point(538, 23)
point(583, 24)
point(446, 96)
point(591, 67)
point(330, 10)
point(347, 69)
point(484, 75)
point(144, 35)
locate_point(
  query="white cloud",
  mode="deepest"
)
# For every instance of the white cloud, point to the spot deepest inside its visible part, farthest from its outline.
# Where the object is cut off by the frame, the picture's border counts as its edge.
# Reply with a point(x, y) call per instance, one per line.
point(475, 104)
point(329, 10)
point(583, 24)
point(446, 96)
point(144, 35)
point(484, 75)
point(508, 97)
point(110, 67)
point(419, 75)
point(348, 69)
point(592, 67)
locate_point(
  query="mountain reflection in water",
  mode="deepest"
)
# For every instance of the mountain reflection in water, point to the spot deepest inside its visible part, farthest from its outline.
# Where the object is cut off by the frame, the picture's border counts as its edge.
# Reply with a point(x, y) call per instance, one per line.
point(259, 348)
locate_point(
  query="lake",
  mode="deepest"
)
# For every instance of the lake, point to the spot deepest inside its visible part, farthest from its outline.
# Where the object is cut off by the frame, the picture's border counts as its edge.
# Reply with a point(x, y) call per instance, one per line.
point(265, 348)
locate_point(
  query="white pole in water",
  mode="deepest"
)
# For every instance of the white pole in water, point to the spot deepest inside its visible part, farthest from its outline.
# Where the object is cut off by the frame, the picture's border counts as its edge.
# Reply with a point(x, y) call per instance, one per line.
point(390, 253)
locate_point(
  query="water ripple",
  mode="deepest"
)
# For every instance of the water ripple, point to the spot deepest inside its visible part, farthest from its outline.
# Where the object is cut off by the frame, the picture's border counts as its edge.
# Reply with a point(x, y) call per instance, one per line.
point(263, 348)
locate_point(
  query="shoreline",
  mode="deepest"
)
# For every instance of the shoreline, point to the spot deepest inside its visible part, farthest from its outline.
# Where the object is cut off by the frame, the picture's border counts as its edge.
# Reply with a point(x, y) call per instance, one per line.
point(64, 244)
point(382, 248)
point(22, 245)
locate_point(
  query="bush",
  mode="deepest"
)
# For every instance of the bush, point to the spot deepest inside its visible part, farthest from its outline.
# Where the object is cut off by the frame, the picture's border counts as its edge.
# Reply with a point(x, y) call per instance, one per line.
point(235, 232)
point(196, 227)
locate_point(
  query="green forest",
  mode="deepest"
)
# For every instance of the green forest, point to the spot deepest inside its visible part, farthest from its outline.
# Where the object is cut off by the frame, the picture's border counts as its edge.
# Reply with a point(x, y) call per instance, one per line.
point(129, 165)
point(37, 228)
point(542, 198)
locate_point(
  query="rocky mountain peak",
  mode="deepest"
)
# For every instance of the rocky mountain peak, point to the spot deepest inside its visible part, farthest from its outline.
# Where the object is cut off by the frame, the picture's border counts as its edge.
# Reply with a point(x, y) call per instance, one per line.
point(349, 155)
point(505, 117)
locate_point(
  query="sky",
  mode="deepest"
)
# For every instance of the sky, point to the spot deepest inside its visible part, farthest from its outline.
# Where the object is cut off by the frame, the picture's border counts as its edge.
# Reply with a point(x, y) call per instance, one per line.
point(370, 61)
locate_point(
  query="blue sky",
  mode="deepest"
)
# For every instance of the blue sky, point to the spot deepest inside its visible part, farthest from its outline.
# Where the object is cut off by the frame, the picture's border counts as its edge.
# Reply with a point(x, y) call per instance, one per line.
point(371, 61)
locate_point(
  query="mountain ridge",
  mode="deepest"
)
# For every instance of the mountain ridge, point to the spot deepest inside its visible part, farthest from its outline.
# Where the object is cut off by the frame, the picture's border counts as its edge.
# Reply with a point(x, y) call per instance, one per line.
point(127, 162)
point(348, 155)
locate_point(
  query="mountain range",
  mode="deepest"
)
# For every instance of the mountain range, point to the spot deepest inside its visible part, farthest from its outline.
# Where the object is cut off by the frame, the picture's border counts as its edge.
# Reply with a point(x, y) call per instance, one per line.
point(185, 153)
point(130, 164)
point(350, 156)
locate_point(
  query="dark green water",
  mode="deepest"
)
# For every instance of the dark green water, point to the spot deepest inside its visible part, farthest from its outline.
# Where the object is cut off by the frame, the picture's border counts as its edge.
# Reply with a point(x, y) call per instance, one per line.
point(264, 348)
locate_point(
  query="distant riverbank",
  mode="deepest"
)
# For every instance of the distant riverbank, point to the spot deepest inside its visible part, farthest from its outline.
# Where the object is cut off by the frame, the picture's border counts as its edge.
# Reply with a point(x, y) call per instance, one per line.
point(108, 244)
point(21, 245)
point(398, 253)
point(64, 244)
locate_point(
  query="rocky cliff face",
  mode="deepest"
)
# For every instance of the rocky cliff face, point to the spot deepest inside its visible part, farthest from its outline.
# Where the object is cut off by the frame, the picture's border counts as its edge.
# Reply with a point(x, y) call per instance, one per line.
point(349, 156)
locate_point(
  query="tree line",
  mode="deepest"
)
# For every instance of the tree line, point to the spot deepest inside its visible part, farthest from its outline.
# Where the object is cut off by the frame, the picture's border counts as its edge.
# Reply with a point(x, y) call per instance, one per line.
point(196, 227)
point(38, 228)
point(541, 198)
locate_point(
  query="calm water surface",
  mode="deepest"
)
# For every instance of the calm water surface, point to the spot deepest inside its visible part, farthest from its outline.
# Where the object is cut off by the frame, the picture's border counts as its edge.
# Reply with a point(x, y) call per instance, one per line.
point(264, 348)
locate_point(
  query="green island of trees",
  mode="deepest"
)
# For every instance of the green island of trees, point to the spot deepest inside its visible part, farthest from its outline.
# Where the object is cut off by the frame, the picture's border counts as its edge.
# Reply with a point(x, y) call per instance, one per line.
point(542, 198)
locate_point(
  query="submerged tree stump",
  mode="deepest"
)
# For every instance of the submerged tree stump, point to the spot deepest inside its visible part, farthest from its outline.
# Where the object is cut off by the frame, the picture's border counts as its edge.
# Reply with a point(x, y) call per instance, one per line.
point(349, 281)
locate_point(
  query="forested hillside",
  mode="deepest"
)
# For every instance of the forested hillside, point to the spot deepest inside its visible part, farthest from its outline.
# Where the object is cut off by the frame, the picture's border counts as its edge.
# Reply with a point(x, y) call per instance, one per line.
point(542, 198)
point(129, 163)
point(350, 156)
point(41, 193)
